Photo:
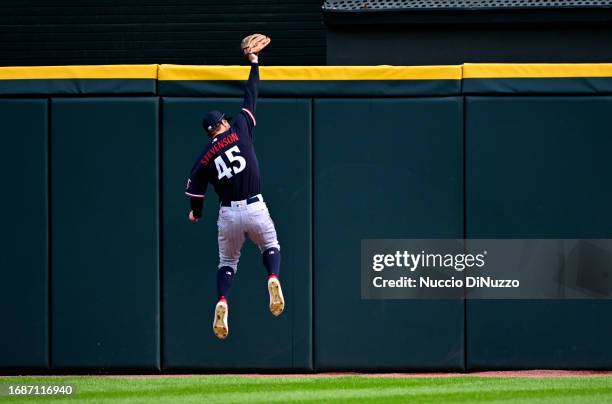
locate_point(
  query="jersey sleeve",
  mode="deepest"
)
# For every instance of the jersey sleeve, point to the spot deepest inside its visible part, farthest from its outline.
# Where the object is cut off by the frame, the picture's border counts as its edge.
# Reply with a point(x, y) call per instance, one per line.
point(245, 121)
point(197, 182)
point(196, 188)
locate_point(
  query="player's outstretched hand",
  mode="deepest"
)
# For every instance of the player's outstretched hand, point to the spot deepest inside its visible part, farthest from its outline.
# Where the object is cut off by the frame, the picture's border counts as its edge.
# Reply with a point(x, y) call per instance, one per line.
point(192, 218)
point(252, 45)
point(252, 58)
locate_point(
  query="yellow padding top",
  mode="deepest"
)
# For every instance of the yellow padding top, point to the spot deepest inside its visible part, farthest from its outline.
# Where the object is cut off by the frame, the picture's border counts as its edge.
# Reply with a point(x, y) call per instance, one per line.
point(535, 70)
point(79, 72)
point(305, 73)
point(301, 73)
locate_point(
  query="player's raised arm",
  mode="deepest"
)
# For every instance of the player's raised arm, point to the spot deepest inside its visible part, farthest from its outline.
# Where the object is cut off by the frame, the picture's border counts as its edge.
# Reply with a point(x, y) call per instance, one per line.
point(249, 104)
point(251, 46)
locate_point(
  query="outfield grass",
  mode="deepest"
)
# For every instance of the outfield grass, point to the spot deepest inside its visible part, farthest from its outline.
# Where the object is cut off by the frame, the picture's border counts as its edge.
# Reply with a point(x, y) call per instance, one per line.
point(345, 389)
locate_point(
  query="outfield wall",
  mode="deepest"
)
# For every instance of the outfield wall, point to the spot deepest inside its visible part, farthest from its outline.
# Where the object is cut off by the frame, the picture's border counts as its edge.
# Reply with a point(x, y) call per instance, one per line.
point(103, 272)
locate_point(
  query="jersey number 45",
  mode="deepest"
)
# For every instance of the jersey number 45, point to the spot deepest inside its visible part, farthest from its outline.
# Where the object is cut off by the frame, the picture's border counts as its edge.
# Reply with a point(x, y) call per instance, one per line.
point(232, 155)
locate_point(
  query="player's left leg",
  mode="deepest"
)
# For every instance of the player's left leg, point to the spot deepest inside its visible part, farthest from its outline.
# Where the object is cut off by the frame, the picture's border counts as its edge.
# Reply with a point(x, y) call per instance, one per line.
point(271, 259)
point(262, 232)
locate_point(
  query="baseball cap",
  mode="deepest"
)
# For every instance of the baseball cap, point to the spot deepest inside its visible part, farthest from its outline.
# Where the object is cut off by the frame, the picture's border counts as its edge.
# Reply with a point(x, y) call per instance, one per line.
point(211, 119)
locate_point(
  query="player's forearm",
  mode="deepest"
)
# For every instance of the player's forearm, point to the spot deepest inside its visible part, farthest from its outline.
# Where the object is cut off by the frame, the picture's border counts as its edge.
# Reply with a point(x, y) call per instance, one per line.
point(196, 206)
point(252, 89)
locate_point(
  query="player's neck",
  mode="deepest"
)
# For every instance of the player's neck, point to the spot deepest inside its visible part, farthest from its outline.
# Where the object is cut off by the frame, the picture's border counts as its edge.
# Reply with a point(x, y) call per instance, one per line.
point(218, 134)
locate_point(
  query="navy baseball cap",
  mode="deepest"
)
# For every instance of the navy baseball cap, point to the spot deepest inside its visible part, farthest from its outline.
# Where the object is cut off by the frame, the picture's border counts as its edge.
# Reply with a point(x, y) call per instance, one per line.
point(211, 119)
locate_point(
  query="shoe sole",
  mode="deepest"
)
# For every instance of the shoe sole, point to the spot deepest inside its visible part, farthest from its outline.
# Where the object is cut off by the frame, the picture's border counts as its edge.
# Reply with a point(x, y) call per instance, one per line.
point(220, 327)
point(277, 301)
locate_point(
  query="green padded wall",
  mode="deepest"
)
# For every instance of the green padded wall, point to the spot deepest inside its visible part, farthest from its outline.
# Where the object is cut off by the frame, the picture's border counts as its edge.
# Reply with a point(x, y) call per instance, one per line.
point(105, 230)
point(385, 168)
point(78, 87)
point(24, 340)
point(539, 167)
point(257, 340)
point(314, 88)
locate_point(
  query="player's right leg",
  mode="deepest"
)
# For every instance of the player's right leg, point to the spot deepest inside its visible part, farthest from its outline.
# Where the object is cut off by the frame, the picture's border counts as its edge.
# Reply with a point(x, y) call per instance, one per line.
point(230, 239)
point(220, 323)
point(277, 300)
point(261, 230)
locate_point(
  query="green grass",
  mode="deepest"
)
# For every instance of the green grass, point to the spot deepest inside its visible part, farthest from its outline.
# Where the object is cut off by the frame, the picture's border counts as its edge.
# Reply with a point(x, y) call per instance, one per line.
point(345, 389)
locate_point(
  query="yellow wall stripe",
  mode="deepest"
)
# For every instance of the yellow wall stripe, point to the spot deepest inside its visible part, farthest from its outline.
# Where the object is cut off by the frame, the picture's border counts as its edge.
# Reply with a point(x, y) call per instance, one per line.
point(306, 73)
point(79, 72)
point(535, 70)
point(301, 73)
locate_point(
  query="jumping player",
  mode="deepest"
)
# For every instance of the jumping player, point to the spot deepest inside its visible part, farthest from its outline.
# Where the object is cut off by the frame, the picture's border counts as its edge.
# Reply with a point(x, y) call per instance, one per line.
point(229, 163)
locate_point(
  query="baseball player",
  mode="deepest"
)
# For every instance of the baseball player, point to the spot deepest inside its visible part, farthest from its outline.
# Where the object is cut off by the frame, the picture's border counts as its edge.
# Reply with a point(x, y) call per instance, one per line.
point(229, 163)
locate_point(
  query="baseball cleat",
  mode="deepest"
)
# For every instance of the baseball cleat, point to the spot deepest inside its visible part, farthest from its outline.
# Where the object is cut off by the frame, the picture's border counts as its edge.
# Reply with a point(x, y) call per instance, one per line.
point(277, 301)
point(220, 327)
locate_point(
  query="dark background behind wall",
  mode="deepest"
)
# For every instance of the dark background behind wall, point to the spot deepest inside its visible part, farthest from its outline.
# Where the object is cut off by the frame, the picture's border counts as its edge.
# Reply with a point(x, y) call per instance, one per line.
point(468, 43)
point(70, 32)
point(206, 32)
point(468, 32)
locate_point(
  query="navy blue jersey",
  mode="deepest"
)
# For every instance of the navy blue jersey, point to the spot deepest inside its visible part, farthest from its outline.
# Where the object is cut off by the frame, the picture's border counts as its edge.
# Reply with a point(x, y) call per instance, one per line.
point(228, 161)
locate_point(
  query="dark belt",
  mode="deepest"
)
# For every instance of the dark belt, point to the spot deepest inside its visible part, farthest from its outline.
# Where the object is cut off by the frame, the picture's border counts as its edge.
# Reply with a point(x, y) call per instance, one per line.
point(249, 201)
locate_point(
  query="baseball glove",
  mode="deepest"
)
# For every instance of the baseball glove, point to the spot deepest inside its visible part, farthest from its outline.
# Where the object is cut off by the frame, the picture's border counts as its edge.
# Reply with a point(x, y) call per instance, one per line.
point(254, 43)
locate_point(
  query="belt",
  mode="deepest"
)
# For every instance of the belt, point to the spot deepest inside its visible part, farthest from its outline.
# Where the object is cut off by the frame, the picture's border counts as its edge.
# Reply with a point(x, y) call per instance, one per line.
point(247, 201)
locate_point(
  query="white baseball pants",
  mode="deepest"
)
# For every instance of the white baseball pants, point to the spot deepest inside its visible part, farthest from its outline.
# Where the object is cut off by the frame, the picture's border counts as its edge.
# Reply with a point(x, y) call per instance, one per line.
point(240, 220)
